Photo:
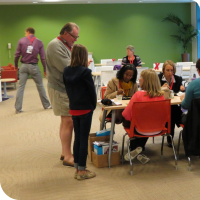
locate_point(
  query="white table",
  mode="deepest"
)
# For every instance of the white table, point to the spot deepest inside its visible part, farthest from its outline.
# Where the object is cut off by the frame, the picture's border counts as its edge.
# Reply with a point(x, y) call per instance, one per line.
point(4, 81)
point(176, 100)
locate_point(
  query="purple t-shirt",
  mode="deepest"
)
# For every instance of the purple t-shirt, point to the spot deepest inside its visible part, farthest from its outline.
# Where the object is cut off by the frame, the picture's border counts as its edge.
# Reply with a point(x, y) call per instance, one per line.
point(38, 48)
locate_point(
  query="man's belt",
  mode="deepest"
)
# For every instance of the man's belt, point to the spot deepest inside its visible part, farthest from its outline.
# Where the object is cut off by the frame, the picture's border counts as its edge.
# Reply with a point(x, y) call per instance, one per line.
point(30, 63)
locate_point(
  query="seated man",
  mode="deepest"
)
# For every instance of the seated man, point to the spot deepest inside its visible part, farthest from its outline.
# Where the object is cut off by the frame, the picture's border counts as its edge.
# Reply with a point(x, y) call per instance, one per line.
point(193, 91)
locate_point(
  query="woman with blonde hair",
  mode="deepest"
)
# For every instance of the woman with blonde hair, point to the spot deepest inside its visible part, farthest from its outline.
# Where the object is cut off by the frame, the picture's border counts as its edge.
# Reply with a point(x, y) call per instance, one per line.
point(82, 102)
point(173, 82)
point(151, 91)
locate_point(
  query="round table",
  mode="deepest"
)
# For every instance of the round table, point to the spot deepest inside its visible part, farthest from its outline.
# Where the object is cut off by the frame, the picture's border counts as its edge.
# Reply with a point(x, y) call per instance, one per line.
point(4, 81)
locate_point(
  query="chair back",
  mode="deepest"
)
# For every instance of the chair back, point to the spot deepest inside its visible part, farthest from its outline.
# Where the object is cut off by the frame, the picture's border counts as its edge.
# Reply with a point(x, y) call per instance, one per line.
point(179, 70)
point(104, 61)
point(185, 74)
point(157, 66)
point(113, 63)
point(139, 70)
point(103, 89)
point(103, 68)
point(106, 76)
point(193, 73)
point(151, 116)
point(91, 66)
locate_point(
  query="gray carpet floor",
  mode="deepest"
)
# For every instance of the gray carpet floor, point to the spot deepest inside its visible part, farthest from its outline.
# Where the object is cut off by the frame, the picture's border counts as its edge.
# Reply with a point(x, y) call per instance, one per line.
point(30, 168)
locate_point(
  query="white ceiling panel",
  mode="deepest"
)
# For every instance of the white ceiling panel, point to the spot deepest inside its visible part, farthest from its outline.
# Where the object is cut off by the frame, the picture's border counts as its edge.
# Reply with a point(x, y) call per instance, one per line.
point(8, 2)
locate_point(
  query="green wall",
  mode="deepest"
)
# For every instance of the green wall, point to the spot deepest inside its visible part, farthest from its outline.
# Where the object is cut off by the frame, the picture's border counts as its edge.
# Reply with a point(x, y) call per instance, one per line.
point(105, 29)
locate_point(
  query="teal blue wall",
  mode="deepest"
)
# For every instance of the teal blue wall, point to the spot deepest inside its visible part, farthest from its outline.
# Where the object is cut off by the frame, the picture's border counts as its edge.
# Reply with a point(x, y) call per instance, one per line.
point(105, 29)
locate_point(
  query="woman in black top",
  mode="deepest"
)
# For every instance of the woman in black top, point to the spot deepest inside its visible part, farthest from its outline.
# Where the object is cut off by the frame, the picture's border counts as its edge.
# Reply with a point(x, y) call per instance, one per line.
point(173, 82)
point(131, 58)
point(82, 101)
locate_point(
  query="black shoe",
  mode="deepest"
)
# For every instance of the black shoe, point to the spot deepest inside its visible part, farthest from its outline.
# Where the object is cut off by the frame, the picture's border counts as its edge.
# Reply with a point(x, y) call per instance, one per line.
point(169, 145)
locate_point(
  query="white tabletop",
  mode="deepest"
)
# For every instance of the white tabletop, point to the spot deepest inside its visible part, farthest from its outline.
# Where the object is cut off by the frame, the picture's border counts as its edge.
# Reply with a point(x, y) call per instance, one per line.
point(96, 73)
point(7, 80)
point(175, 101)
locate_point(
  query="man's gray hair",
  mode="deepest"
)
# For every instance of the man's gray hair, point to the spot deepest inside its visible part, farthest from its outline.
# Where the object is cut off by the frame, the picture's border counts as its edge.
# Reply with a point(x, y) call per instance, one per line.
point(131, 48)
point(68, 28)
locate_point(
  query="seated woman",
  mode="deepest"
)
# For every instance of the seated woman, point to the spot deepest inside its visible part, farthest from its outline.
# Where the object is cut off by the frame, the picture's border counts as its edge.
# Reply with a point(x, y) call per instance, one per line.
point(173, 82)
point(193, 92)
point(131, 58)
point(151, 91)
point(124, 84)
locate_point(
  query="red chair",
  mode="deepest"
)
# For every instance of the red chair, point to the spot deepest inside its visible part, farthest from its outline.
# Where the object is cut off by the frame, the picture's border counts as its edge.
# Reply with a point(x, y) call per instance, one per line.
point(108, 119)
point(103, 89)
point(9, 72)
point(155, 117)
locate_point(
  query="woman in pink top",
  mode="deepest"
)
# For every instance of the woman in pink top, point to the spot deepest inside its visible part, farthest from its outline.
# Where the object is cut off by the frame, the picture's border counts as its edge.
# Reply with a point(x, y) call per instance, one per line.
point(151, 91)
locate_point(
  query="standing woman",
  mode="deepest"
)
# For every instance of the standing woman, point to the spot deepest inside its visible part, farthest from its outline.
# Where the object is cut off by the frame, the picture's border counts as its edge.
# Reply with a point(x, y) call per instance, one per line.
point(82, 102)
point(131, 58)
point(173, 82)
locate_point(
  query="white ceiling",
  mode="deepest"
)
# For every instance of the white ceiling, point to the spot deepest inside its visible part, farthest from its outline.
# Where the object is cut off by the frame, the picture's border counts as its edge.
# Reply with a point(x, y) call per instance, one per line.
point(8, 2)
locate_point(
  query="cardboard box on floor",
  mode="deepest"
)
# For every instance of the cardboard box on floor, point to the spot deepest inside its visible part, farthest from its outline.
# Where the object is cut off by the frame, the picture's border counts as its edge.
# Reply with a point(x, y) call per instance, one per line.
point(101, 160)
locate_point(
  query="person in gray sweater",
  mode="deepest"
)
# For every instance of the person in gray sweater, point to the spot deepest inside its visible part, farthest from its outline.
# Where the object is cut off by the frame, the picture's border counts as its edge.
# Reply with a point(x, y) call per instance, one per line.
point(58, 56)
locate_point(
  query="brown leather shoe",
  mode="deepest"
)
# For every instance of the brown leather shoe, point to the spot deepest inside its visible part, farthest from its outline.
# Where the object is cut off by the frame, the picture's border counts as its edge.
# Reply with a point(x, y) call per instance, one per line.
point(62, 157)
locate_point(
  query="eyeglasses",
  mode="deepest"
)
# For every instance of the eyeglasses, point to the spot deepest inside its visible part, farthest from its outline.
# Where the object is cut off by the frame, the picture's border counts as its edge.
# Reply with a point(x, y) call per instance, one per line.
point(75, 37)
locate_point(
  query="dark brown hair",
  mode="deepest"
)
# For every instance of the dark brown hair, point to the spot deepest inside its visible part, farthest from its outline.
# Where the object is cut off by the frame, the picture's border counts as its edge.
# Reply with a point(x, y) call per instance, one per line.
point(198, 64)
point(79, 56)
point(30, 30)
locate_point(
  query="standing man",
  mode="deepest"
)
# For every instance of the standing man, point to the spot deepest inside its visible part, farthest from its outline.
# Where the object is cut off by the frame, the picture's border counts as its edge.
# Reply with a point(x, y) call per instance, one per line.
point(58, 56)
point(29, 47)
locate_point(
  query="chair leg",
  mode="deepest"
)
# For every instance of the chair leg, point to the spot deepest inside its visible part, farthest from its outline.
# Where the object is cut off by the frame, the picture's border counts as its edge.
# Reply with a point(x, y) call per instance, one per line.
point(122, 156)
point(179, 139)
point(176, 166)
point(153, 139)
point(162, 146)
point(189, 164)
point(131, 164)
